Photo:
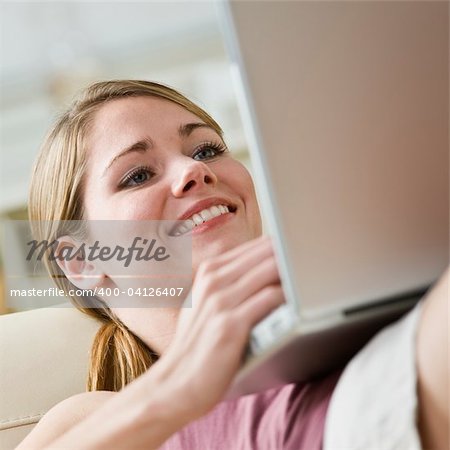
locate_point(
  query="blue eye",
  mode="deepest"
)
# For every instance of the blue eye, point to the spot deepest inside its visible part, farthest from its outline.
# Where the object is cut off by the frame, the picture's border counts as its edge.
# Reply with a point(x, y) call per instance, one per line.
point(208, 150)
point(136, 177)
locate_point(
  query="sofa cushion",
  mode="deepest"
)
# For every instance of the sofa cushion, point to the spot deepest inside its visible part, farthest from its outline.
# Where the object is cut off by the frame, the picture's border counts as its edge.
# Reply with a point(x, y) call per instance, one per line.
point(44, 355)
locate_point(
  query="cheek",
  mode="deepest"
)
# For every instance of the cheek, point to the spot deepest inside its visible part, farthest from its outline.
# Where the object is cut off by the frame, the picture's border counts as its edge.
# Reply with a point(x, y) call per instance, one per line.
point(137, 205)
point(234, 173)
point(241, 182)
point(138, 208)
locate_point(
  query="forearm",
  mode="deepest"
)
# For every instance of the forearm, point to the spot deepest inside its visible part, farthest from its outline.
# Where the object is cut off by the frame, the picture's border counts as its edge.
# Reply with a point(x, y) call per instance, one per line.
point(192, 376)
point(433, 370)
point(143, 415)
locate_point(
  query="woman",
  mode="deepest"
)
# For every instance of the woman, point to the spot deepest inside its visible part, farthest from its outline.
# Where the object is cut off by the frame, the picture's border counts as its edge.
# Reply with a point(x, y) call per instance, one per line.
point(134, 150)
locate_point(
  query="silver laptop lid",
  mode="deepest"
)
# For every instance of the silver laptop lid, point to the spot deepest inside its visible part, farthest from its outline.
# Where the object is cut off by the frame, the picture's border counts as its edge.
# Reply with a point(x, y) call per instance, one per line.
point(346, 110)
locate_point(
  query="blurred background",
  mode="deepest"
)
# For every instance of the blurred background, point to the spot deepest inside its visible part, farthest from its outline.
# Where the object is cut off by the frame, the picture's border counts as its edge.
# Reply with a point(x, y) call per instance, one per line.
point(50, 50)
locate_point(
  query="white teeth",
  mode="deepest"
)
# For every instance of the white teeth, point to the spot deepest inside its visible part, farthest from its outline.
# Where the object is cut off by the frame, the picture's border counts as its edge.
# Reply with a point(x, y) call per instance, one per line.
point(182, 229)
point(206, 215)
point(197, 219)
point(215, 211)
point(189, 224)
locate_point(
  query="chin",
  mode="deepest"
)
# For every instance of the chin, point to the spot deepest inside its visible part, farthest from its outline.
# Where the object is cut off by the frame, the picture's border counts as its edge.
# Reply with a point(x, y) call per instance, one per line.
point(202, 251)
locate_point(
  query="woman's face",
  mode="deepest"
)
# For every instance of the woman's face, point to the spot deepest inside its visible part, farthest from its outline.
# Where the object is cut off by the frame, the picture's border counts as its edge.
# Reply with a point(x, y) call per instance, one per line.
point(151, 159)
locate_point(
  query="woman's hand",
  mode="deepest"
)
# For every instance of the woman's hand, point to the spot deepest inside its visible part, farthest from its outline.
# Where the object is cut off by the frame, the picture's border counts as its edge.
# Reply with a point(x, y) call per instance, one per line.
point(231, 293)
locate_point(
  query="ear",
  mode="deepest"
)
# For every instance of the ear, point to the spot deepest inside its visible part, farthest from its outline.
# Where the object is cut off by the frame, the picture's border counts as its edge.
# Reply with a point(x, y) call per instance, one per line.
point(71, 258)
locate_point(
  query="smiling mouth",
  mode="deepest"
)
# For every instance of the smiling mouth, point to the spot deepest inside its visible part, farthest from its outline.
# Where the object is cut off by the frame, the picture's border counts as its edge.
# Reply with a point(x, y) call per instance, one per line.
point(203, 216)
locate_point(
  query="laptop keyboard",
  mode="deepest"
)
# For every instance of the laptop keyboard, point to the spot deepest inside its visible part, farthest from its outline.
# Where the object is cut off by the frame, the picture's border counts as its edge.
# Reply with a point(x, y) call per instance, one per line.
point(271, 329)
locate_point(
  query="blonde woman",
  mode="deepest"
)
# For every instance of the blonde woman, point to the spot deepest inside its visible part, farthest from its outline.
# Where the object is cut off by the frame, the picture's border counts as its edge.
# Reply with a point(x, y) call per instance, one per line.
point(136, 150)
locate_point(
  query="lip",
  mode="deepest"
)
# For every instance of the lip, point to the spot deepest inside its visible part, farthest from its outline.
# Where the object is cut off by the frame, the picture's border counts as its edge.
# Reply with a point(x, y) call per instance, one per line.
point(206, 203)
point(201, 205)
point(210, 224)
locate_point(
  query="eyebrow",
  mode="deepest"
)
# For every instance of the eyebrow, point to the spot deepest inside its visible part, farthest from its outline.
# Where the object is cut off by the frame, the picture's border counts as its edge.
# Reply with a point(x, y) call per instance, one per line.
point(141, 147)
point(144, 145)
point(186, 129)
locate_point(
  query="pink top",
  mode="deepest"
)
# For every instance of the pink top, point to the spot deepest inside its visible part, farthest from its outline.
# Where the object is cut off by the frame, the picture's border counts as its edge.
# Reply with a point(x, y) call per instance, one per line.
point(291, 417)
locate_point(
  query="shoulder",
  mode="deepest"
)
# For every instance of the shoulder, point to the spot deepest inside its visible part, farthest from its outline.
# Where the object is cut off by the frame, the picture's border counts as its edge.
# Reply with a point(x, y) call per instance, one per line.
point(64, 416)
point(77, 407)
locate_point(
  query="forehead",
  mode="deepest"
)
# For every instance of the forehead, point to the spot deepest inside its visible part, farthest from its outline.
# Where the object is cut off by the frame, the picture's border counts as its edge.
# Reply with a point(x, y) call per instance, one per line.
point(137, 114)
point(123, 122)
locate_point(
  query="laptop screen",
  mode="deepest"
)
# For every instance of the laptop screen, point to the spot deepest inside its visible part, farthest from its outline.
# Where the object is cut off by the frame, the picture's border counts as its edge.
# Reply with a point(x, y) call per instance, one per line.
point(346, 112)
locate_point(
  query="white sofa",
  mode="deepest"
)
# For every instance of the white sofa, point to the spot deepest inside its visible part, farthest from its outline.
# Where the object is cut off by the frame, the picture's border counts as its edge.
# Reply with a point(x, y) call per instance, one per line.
point(43, 360)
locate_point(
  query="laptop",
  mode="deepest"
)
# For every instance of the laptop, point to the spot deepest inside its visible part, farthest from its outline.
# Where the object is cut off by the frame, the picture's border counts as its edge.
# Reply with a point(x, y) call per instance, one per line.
point(345, 108)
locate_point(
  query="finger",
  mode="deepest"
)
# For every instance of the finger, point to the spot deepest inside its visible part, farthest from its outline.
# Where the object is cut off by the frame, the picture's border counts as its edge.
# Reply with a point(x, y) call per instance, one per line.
point(236, 253)
point(234, 267)
point(226, 296)
point(259, 305)
point(229, 267)
point(264, 274)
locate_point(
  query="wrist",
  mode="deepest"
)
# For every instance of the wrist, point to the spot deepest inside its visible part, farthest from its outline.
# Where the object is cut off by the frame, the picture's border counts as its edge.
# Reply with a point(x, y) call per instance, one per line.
point(169, 398)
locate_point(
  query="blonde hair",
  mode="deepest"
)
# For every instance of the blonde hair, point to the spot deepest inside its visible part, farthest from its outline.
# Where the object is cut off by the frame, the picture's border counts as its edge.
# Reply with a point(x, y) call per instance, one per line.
point(56, 193)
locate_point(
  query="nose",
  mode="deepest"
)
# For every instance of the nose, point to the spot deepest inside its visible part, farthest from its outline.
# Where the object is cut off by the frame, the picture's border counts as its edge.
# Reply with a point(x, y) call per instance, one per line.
point(194, 175)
